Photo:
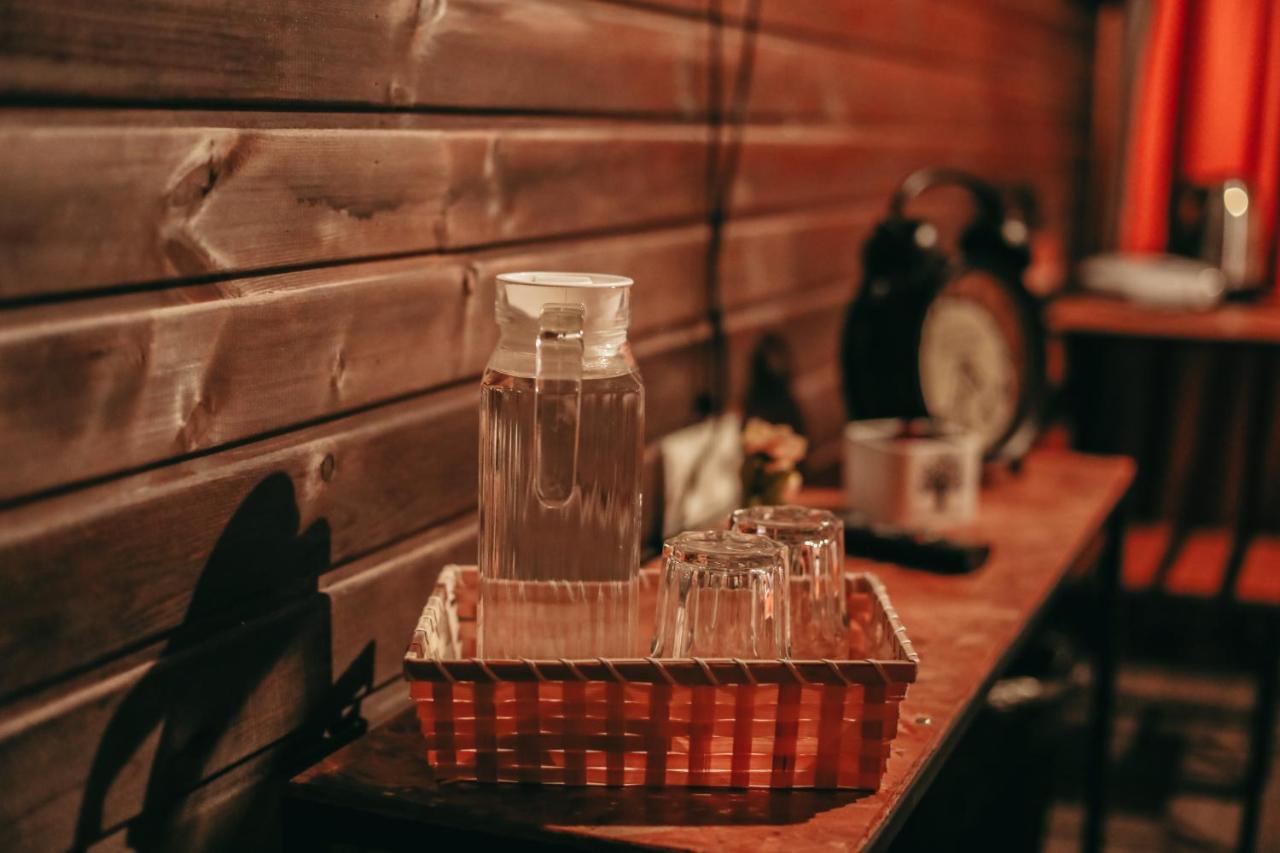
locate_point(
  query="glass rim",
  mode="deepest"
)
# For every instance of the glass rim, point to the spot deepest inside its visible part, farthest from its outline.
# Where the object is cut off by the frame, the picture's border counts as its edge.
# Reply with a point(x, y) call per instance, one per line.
point(727, 551)
point(787, 518)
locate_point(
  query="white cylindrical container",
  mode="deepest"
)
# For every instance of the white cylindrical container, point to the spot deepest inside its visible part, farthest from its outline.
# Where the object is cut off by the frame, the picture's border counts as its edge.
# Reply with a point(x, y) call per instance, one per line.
point(917, 473)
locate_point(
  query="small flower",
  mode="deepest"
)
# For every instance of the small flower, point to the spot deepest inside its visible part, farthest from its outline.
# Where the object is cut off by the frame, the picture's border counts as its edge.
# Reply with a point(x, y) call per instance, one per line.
point(779, 443)
point(770, 455)
point(789, 448)
point(756, 435)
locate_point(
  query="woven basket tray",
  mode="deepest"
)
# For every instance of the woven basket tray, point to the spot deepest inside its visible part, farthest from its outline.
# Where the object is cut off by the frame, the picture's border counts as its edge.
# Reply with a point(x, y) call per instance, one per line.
point(641, 721)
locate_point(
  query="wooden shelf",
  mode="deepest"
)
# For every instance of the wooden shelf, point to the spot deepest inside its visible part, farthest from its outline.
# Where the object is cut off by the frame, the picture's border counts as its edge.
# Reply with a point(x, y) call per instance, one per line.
point(1257, 322)
point(1043, 524)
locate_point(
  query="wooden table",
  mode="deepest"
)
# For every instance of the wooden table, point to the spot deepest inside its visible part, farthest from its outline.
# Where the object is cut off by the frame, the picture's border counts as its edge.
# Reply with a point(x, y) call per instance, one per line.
point(1057, 517)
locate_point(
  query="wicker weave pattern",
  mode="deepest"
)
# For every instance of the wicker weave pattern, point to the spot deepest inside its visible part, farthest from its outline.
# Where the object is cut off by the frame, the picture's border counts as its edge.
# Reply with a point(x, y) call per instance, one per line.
point(759, 724)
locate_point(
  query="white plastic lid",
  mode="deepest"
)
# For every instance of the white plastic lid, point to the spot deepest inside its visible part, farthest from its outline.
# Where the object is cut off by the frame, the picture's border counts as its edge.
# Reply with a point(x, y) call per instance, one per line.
point(605, 299)
point(566, 279)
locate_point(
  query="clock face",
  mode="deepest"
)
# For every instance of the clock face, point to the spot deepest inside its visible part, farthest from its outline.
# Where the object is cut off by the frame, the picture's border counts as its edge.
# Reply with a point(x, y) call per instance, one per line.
point(972, 363)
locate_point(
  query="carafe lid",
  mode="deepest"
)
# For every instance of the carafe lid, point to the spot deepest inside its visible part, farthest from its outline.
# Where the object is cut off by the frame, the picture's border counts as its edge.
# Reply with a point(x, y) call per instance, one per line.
point(605, 299)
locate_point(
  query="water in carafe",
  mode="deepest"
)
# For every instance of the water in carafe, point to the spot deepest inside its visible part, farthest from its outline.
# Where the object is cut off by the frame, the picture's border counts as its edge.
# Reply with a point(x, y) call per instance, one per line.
point(562, 423)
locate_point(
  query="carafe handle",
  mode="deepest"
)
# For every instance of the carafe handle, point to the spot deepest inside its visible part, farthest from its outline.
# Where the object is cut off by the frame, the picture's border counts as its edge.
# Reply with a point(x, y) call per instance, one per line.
point(558, 402)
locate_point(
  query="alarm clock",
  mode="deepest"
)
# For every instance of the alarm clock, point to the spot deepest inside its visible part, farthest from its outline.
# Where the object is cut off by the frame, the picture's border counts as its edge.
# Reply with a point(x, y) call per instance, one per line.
point(956, 338)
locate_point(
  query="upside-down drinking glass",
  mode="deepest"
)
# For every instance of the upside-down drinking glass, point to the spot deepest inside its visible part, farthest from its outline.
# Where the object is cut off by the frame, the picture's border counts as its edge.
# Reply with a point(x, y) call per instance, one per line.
point(722, 595)
point(814, 539)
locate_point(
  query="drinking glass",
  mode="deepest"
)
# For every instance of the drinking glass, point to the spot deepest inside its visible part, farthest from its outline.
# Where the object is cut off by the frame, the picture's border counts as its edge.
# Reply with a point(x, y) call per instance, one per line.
point(722, 595)
point(814, 539)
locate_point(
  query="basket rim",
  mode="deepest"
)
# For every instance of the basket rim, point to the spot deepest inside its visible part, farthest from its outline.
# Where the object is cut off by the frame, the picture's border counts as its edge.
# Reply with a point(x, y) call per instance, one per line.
point(692, 672)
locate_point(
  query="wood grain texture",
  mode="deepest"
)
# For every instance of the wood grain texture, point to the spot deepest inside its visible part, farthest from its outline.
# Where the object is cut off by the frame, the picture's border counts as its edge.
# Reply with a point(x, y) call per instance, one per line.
point(974, 31)
point(994, 60)
point(103, 386)
point(86, 574)
point(113, 204)
point(532, 56)
point(788, 167)
point(345, 643)
point(394, 53)
point(966, 628)
point(210, 706)
point(106, 385)
point(816, 83)
point(100, 750)
point(239, 809)
point(374, 598)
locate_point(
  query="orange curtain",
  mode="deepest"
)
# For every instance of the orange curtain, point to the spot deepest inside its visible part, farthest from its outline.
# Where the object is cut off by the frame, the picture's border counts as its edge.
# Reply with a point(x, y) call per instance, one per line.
point(1207, 96)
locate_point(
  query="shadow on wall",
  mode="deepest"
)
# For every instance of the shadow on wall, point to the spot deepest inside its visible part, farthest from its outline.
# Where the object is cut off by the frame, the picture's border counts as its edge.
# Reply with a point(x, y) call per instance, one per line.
point(255, 613)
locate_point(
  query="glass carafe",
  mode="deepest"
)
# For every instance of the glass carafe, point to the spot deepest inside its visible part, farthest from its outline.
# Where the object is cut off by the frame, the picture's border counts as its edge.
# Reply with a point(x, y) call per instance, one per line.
point(561, 443)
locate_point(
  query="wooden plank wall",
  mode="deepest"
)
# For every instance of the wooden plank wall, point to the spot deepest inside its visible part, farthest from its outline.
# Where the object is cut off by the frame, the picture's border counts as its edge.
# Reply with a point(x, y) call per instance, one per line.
point(247, 251)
